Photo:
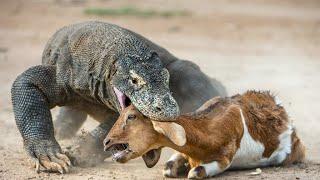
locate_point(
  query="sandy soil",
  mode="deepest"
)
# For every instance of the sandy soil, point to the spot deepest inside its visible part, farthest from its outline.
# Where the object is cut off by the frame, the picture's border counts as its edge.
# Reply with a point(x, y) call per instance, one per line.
point(246, 44)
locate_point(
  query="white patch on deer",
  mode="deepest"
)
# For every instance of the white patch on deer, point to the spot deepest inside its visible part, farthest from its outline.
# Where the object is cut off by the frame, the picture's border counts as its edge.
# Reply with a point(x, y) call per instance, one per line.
point(175, 157)
point(250, 153)
point(166, 172)
point(284, 148)
point(212, 168)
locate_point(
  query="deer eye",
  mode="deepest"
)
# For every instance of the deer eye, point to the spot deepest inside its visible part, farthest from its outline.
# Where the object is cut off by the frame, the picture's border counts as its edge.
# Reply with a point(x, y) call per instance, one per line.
point(131, 117)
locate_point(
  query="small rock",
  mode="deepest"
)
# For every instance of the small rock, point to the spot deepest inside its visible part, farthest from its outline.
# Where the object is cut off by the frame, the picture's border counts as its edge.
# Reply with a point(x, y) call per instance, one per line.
point(297, 178)
point(257, 172)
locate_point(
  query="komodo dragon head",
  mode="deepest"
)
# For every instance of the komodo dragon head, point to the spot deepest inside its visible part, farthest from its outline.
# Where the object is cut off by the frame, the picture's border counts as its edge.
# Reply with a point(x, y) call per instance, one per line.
point(144, 82)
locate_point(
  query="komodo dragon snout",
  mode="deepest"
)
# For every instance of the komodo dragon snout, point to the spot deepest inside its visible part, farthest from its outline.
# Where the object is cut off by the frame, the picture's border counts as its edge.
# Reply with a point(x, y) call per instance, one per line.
point(144, 82)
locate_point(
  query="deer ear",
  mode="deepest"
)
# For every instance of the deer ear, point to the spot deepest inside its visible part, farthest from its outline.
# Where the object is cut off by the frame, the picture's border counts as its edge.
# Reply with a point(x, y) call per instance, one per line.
point(171, 130)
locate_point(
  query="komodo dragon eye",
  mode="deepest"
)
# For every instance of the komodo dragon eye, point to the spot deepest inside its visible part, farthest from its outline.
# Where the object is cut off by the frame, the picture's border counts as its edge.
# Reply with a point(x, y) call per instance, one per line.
point(134, 81)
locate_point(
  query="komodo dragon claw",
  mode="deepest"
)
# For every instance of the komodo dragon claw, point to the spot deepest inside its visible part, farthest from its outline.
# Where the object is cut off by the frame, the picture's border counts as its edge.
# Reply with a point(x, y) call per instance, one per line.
point(48, 154)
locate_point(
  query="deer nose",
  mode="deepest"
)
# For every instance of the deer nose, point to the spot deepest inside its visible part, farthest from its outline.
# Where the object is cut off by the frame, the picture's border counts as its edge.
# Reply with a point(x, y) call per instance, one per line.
point(107, 144)
point(106, 141)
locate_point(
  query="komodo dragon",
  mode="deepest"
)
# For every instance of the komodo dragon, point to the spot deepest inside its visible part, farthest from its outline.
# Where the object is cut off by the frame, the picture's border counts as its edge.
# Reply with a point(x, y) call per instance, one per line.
point(97, 69)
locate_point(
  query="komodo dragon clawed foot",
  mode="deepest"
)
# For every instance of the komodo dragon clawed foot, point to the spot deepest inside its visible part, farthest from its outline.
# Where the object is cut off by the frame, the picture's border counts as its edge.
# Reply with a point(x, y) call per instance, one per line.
point(47, 154)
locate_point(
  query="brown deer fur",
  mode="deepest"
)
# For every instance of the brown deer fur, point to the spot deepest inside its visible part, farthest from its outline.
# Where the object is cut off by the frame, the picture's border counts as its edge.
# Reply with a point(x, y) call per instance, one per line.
point(243, 131)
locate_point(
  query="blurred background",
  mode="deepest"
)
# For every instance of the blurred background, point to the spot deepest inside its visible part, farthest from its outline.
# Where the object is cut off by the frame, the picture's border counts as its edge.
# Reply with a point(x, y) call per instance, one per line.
point(246, 44)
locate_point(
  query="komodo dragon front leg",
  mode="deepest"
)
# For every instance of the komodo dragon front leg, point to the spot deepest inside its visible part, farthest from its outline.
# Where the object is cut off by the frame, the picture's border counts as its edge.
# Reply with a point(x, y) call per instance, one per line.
point(34, 93)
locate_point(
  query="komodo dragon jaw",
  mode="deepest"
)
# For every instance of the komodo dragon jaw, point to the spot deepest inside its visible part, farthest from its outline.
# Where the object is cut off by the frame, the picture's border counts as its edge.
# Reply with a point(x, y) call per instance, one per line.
point(161, 108)
point(146, 86)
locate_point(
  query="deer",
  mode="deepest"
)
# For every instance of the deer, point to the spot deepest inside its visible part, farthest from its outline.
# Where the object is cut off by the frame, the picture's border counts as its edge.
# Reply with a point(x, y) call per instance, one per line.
point(249, 130)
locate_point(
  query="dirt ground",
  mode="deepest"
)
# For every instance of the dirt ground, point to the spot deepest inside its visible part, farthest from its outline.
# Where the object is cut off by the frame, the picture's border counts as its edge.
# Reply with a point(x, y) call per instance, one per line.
point(246, 44)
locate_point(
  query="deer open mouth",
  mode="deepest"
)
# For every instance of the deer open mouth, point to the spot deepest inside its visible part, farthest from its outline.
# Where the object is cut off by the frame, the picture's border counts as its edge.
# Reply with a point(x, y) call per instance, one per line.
point(120, 151)
point(124, 101)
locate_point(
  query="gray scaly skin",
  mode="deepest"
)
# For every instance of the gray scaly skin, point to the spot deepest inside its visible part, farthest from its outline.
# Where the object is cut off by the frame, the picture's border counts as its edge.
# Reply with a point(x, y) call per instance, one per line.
point(97, 69)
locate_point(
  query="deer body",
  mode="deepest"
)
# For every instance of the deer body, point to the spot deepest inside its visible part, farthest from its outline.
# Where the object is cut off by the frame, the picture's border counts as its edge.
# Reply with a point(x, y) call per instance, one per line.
point(244, 131)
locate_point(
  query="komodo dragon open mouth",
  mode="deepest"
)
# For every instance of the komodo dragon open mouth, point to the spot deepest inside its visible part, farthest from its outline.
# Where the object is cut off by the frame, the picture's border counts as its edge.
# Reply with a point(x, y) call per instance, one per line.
point(123, 100)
